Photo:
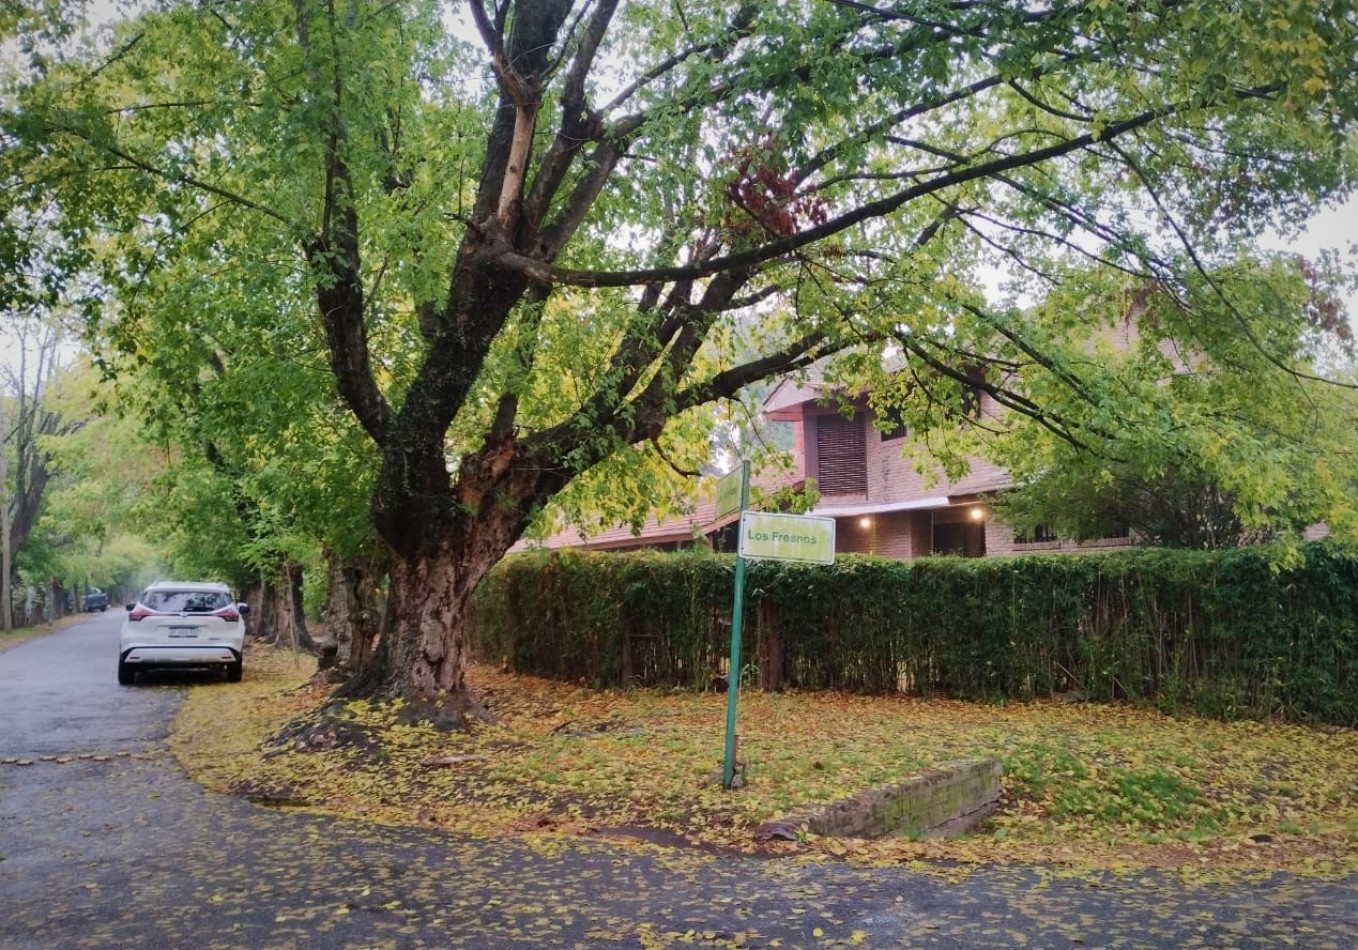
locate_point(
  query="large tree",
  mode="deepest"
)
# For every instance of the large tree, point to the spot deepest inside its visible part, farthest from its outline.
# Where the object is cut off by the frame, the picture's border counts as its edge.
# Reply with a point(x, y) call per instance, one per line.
point(526, 240)
point(27, 418)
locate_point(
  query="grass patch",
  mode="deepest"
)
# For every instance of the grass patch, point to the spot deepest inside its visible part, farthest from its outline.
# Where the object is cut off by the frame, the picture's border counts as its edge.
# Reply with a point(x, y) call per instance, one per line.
point(1085, 785)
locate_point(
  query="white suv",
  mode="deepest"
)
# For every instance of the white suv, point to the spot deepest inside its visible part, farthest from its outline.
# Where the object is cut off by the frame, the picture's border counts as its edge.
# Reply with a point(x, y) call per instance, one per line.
point(182, 625)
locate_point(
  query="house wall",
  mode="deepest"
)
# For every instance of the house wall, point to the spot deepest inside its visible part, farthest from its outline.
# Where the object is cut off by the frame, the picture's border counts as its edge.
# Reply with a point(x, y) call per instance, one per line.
point(909, 534)
point(1063, 546)
point(896, 535)
point(892, 478)
point(999, 537)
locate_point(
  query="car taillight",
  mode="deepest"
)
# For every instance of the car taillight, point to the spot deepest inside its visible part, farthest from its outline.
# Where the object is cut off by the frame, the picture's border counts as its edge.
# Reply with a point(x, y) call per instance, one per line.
point(228, 614)
point(140, 613)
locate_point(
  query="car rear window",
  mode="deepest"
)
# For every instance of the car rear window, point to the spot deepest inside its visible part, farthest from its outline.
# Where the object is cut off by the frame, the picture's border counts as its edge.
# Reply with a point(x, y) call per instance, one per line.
point(186, 601)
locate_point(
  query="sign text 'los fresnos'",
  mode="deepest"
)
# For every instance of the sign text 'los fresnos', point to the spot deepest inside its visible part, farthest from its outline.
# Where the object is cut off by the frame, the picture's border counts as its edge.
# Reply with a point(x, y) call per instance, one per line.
point(774, 537)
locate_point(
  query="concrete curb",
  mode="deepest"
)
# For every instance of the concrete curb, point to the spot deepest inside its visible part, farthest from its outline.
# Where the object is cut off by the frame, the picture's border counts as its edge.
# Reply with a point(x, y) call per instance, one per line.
point(938, 803)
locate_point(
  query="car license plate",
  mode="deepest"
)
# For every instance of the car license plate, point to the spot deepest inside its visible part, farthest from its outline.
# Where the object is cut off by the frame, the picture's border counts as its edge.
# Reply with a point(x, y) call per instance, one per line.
point(183, 631)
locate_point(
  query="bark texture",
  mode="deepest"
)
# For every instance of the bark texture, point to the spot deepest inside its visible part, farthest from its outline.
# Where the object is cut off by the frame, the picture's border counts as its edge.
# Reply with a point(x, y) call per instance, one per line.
point(276, 610)
point(353, 611)
point(423, 648)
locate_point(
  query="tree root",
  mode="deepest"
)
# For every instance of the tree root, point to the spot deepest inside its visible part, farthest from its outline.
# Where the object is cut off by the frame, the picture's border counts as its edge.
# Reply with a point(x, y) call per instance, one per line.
point(329, 727)
point(446, 712)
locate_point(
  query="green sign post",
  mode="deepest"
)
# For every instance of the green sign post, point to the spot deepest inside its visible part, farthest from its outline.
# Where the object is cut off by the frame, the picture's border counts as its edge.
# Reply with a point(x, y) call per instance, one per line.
point(772, 537)
point(728, 768)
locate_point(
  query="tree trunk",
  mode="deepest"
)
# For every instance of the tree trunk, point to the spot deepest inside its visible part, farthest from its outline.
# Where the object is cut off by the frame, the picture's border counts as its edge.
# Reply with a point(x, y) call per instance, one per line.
point(260, 599)
point(292, 629)
point(6, 552)
point(278, 606)
point(429, 599)
point(426, 636)
point(353, 611)
point(370, 608)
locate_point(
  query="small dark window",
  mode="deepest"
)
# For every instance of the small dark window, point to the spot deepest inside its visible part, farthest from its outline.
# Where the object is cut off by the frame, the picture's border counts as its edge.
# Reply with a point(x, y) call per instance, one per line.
point(971, 402)
point(971, 392)
point(891, 425)
point(1039, 534)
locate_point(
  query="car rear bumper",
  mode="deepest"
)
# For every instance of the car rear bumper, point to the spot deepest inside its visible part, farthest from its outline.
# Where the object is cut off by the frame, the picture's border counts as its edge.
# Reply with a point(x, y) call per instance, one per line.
point(204, 655)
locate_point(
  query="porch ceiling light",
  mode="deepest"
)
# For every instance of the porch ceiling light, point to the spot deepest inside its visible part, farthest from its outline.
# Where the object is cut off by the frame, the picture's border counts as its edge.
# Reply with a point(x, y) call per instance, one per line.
point(865, 522)
point(977, 513)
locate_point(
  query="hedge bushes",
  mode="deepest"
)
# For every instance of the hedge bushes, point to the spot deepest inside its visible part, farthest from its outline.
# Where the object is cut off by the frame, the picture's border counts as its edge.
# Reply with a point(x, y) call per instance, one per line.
point(1223, 634)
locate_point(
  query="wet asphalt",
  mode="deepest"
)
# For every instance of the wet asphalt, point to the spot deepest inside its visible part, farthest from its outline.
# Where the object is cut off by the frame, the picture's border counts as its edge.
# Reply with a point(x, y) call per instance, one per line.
point(105, 842)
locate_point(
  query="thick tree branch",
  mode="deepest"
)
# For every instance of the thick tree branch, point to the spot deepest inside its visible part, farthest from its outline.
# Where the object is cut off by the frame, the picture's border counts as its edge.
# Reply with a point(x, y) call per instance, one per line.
point(864, 212)
point(516, 163)
point(578, 124)
point(727, 383)
point(603, 161)
point(335, 256)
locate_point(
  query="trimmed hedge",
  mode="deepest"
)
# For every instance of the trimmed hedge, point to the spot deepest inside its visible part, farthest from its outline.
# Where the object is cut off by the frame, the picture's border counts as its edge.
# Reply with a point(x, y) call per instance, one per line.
point(1225, 634)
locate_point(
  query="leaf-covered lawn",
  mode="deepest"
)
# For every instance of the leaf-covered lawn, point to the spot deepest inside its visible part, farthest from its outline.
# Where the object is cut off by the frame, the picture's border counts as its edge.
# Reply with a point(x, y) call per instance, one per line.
point(1084, 784)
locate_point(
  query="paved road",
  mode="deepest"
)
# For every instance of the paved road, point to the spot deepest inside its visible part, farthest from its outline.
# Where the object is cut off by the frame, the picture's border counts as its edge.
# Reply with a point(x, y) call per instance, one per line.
point(118, 848)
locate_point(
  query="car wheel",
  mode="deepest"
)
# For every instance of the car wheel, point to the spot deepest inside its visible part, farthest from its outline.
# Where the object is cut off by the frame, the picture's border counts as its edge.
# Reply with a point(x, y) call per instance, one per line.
point(126, 675)
point(103, 609)
point(234, 671)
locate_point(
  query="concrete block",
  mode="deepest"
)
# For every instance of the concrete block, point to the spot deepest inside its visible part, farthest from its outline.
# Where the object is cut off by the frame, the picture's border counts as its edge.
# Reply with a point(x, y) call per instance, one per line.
point(940, 802)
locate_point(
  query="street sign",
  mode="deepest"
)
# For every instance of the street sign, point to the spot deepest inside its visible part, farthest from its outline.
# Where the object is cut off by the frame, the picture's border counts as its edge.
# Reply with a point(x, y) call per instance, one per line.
point(774, 537)
point(728, 492)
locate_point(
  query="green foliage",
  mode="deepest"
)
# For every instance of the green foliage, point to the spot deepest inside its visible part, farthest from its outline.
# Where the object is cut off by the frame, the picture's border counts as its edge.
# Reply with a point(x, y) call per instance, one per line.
point(902, 155)
point(1219, 439)
point(1229, 634)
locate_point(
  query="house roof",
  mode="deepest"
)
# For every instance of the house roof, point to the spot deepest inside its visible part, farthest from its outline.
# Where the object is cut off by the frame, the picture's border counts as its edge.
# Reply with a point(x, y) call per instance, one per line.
point(785, 402)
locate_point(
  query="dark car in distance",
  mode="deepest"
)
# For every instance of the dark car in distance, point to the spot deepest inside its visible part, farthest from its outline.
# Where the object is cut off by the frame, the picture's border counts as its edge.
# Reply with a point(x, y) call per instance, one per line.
point(96, 599)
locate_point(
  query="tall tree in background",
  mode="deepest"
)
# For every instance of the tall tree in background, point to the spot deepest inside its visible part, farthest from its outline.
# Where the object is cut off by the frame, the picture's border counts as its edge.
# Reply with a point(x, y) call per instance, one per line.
point(26, 420)
point(1213, 450)
point(523, 255)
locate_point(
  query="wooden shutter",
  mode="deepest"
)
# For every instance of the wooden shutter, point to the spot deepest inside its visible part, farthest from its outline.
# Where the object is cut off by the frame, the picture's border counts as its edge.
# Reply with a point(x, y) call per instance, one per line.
point(843, 468)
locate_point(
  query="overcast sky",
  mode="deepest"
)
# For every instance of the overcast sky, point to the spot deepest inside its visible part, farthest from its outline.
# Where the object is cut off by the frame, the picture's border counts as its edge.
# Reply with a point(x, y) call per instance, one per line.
point(1333, 228)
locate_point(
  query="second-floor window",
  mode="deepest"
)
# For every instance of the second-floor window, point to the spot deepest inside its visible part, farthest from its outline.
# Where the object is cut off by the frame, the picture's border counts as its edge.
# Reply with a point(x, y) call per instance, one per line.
point(843, 467)
point(971, 393)
point(892, 425)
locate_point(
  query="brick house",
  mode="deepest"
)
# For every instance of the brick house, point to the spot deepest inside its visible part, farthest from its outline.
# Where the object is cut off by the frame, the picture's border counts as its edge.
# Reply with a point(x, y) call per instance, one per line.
point(880, 504)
